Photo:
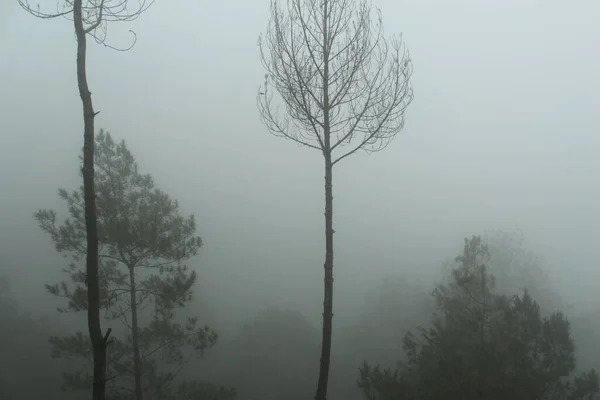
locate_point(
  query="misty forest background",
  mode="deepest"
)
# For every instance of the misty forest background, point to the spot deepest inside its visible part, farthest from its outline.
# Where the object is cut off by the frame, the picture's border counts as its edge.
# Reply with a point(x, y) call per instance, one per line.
point(482, 209)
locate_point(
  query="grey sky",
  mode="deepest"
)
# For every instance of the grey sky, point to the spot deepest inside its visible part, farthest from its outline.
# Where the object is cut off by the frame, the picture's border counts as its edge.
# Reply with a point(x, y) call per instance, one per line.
point(502, 133)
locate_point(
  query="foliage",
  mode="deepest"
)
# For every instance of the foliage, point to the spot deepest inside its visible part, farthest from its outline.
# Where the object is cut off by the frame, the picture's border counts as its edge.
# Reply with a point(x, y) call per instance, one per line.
point(382, 383)
point(91, 18)
point(23, 352)
point(483, 345)
point(516, 267)
point(585, 333)
point(271, 356)
point(394, 306)
point(195, 390)
point(7, 304)
point(143, 243)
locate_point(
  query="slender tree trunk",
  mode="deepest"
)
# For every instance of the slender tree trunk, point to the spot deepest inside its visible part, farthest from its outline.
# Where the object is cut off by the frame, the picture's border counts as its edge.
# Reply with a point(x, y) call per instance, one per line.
point(328, 266)
point(93, 286)
point(328, 292)
point(137, 362)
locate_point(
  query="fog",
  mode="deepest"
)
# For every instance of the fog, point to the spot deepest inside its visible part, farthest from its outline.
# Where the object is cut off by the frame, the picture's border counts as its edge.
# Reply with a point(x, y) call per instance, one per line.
point(501, 135)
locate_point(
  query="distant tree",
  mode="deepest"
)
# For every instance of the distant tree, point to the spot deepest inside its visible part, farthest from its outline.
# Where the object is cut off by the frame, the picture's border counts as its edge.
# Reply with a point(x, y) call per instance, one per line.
point(24, 354)
point(586, 331)
point(91, 18)
point(483, 345)
point(515, 267)
point(345, 89)
point(395, 305)
point(7, 304)
point(143, 244)
point(269, 356)
point(10, 326)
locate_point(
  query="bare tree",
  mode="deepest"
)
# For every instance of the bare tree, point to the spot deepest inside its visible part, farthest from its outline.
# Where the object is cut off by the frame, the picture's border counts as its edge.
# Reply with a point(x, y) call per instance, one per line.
point(345, 88)
point(91, 18)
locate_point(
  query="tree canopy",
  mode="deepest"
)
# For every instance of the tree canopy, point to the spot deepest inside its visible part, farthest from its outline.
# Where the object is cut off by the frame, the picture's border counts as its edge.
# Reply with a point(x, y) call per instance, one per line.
point(271, 356)
point(483, 345)
point(144, 242)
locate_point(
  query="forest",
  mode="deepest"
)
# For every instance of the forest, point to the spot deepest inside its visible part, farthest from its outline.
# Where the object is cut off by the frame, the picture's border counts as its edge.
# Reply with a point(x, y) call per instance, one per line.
point(194, 263)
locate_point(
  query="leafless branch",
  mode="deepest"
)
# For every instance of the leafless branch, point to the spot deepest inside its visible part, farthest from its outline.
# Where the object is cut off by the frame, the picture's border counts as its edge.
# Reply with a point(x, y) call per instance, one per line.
point(96, 16)
point(367, 77)
point(344, 88)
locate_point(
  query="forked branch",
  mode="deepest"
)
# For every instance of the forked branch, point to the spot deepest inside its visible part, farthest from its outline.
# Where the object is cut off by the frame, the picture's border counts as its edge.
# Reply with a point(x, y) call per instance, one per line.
point(96, 14)
point(367, 78)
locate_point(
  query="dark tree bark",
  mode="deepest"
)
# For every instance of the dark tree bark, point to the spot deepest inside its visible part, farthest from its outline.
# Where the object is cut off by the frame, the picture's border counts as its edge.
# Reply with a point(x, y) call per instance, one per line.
point(86, 20)
point(327, 329)
point(328, 286)
point(93, 282)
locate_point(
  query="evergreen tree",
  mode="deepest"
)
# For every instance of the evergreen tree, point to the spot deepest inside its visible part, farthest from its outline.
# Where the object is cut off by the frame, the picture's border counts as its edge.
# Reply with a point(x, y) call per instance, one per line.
point(483, 345)
point(143, 243)
point(516, 267)
point(91, 19)
point(268, 356)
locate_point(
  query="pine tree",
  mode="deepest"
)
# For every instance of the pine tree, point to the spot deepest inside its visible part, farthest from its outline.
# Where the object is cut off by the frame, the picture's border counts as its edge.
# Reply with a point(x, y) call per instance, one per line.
point(483, 345)
point(144, 242)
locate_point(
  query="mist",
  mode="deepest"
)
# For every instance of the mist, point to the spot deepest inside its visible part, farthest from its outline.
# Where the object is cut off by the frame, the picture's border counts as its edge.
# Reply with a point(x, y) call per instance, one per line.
point(500, 136)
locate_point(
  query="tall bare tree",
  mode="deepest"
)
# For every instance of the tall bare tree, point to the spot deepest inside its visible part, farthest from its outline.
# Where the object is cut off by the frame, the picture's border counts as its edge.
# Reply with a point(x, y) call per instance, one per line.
point(91, 17)
point(345, 88)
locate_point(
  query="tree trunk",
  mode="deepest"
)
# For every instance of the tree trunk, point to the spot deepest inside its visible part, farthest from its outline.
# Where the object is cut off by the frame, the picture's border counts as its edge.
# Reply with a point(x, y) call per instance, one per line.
point(93, 286)
point(137, 362)
point(328, 266)
point(328, 292)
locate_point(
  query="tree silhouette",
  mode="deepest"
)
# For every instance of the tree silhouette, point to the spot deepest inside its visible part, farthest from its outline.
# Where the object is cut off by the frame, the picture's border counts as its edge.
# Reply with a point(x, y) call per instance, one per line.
point(143, 244)
point(91, 18)
point(483, 345)
point(344, 87)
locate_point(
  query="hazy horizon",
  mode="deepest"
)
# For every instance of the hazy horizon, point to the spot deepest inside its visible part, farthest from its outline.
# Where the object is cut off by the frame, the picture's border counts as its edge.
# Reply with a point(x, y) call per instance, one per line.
point(500, 135)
